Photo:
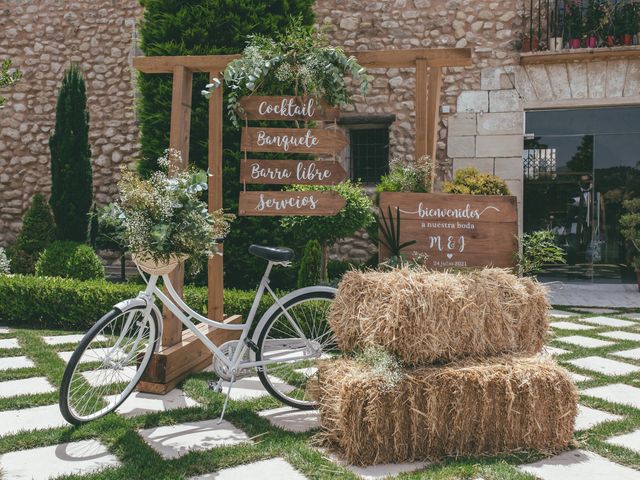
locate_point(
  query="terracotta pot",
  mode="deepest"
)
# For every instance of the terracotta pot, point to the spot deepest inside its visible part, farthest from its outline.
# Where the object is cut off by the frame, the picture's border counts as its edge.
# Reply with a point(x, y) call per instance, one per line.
point(627, 39)
point(575, 43)
point(611, 41)
point(592, 42)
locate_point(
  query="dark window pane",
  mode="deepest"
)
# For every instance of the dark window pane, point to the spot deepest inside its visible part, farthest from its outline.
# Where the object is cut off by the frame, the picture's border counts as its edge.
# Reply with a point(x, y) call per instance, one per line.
point(369, 154)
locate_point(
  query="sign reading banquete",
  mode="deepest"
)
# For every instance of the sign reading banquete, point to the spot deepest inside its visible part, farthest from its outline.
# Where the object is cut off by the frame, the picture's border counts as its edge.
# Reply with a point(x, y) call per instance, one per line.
point(292, 140)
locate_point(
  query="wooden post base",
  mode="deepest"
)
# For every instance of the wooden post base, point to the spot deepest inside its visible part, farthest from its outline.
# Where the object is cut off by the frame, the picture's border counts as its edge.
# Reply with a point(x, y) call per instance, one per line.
point(171, 365)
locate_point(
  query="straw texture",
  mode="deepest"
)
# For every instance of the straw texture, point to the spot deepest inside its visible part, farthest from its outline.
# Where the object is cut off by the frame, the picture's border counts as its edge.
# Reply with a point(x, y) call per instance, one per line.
point(491, 406)
point(424, 317)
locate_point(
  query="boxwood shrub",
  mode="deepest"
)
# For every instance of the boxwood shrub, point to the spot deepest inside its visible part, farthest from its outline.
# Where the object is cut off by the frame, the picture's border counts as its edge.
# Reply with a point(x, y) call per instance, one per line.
point(54, 302)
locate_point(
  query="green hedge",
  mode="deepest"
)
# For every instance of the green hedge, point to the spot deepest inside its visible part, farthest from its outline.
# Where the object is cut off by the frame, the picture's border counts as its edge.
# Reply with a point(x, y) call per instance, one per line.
point(54, 302)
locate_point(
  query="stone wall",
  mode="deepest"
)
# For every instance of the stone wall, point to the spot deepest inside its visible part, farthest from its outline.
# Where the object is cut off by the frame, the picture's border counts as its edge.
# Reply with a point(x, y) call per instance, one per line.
point(43, 38)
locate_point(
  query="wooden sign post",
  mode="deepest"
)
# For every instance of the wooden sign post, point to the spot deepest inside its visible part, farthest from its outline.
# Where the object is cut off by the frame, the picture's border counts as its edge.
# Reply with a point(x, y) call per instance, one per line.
point(456, 230)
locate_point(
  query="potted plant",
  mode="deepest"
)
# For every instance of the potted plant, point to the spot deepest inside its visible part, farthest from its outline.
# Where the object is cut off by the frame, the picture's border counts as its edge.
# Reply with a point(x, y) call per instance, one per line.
point(595, 21)
point(626, 22)
point(630, 231)
point(574, 23)
point(163, 219)
point(556, 40)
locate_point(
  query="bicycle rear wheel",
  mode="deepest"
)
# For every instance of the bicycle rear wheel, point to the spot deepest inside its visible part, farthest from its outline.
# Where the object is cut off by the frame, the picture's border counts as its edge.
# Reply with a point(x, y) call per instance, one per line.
point(292, 377)
point(108, 364)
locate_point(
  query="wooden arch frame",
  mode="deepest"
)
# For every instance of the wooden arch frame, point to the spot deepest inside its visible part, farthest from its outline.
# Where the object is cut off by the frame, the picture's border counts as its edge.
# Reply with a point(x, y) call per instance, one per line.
point(187, 351)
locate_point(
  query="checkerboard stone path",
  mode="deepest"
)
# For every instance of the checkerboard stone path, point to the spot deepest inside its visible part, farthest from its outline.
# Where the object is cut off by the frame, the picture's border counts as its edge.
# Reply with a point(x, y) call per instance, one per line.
point(618, 335)
point(272, 469)
point(26, 386)
point(633, 354)
point(7, 343)
point(15, 363)
point(585, 342)
point(590, 417)
point(291, 419)
point(616, 393)
point(605, 366)
point(68, 339)
point(579, 465)
point(609, 322)
point(173, 441)
point(82, 457)
point(627, 440)
point(571, 326)
point(35, 418)
point(142, 403)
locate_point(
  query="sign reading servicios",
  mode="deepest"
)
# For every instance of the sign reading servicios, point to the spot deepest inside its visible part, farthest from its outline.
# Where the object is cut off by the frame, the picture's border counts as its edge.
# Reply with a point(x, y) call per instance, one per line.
point(313, 141)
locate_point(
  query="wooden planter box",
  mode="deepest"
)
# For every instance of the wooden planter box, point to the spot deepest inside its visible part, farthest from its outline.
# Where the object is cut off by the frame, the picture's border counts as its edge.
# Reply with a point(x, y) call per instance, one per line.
point(456, 231)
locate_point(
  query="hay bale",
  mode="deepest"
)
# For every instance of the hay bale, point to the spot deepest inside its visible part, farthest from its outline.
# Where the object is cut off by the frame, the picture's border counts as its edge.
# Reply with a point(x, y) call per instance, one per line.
point(424, 317)
point(494, 406)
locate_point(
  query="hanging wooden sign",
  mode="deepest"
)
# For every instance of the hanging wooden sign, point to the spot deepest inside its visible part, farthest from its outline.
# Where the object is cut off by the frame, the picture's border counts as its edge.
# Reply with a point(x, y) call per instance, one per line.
point(286, 172)
point(292, 140)
point(456, 230)
point(310, 203)
point(286, 108)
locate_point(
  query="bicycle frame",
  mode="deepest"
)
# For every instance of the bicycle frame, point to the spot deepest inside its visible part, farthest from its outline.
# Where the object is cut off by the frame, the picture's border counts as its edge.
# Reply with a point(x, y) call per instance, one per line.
point(184, 313)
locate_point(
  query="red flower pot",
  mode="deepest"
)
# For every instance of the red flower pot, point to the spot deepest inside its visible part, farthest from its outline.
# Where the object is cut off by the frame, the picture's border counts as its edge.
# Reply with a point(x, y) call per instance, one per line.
point(592, 42)
point(627, 39)
point(611, 41)
point(574, 43)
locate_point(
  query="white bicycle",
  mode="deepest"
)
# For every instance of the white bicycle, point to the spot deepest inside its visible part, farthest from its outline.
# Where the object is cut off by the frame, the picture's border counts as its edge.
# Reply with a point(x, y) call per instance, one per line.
point(285, 345)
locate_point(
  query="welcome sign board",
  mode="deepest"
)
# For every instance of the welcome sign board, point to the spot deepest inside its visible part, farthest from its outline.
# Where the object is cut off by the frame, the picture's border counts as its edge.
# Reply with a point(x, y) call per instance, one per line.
point(456, 231)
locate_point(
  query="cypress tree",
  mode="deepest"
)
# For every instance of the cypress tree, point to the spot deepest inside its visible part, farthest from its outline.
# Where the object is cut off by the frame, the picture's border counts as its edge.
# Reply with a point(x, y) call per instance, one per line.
point(71, 177)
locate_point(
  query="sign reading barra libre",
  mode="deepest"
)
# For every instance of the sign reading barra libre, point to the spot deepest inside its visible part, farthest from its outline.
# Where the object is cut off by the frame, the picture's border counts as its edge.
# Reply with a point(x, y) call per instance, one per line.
point(286, 108)
point(290, 203)
point(292, 140)
point(456, 230)
point(286, 172)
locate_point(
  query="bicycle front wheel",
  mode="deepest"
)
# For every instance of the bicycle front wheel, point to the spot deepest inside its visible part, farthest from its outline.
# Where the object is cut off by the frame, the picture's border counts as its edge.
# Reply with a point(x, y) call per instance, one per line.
point(108, 364)
point(291, 343)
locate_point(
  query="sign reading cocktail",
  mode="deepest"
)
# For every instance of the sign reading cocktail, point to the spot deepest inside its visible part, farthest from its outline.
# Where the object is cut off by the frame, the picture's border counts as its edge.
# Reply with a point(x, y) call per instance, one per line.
point(310, 141)
point(457, 230)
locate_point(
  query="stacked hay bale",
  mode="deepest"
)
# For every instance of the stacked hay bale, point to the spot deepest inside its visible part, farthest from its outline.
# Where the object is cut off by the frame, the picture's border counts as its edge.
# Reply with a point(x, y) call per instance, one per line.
point(471, 381)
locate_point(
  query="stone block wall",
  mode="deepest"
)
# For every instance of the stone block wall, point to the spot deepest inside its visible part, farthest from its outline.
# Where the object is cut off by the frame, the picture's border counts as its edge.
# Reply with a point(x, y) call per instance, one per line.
point(43, 38)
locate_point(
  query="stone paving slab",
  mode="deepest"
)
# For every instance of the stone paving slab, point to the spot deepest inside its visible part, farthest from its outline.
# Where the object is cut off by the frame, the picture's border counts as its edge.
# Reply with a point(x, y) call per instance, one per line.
point(25, 386)
point(633, 354)
point(576, 377)
point(632, 316)
point(571, 326)
point(604, 311)
point(173, 441)
point(250, 388)
point(15, 363)
point(65, 339)
point(579, 465)
point(618, 335)
point(378, 472)
point(561, 314)
point(553, 351)
point(307, 372)
point(36, 418)
point(292, 419)
point(4, 330)
point(627, 440)
point(98, 378)
point(590, 417)
point(272, 469)
point(605, 366)
point(9, 343)
point(87, 456)
point(585, 342)
point(616, 393)
point(608, 322)
point(93, 355)
point(140, 403)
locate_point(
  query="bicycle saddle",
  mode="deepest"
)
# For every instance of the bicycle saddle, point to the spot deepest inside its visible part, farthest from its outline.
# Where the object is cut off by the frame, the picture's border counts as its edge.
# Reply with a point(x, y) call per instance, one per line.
point(272, 254)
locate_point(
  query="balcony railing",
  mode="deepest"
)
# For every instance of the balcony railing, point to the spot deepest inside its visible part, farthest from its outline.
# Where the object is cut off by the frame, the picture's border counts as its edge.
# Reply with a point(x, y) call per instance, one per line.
point(571, 24)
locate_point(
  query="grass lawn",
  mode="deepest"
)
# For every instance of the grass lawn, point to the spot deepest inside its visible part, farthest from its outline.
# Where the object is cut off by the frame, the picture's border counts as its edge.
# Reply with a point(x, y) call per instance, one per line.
point(140, 461)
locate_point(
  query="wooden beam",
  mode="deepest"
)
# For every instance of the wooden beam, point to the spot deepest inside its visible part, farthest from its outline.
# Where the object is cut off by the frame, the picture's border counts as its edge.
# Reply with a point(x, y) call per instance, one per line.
point(215, 309)
point(582, 55)
point(437, 57)
point(434, 90)
point(179, 140)
point(422, 108)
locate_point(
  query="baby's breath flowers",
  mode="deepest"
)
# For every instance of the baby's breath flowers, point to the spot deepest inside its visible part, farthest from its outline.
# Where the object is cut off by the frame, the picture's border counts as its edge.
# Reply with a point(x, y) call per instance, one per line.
point(383, 365)
point(163, 216)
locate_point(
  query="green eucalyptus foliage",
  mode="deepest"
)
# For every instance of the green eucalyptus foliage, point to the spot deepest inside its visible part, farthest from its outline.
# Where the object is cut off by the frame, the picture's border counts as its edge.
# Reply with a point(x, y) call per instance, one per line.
point(309, 272)
point(38, 231)
point(469, 181)
point(539, 248)
point(212, 27)
point(71, 176)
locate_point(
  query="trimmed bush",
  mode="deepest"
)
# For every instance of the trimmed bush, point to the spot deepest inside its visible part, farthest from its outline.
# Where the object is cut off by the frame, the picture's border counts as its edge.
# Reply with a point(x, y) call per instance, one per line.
point(70, 260)
point(310, 265)
point(38, 231)
point(469, 181)
point(55, 302)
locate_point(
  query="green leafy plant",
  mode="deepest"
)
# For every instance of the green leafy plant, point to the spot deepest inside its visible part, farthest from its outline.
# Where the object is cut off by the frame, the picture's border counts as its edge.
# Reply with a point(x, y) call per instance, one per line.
point(328, 229)
point(630, 229)
point(390, 228)
point(574, 20)
point(7, 78)
point(469, 181)
point(5, 263)
point(301, 57)
point(70, 260)
point(71, 176)
point(408, 177)
point(538, 248)
point(110, 232)
point(163, 216)
point(626, 20)
point(38, 231)
point(596, 17)
point(310, 271)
